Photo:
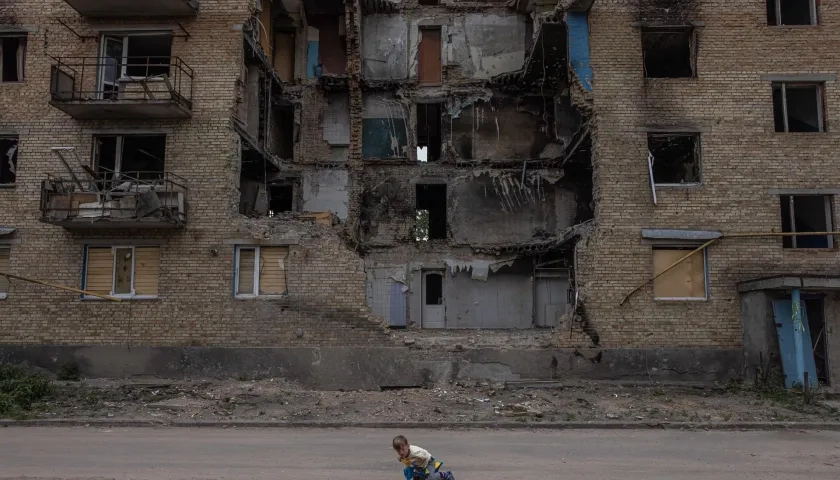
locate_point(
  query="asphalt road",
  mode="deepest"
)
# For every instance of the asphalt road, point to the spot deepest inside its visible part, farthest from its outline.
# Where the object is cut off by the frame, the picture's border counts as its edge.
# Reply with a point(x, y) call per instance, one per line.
point(157, 454)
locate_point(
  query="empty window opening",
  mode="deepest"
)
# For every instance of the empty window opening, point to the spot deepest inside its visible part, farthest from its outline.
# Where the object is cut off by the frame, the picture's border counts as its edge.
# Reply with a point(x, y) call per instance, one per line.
point(281, 198)
point(12, 58)
point(668, 53)
point(815, 311)
point(429, 68)
point(791, 12)
point(675, 158)
point(429, 2)
point(137, 156)
point(428, 132)
point(284, 132)
point(133, 56)
point(260, 271)
point(8, 160)
point(123, 271)
point(431, 212)
point(803, 214)
point(797, 107)
point(434, 289)
point(4, 268)
point(687, 281)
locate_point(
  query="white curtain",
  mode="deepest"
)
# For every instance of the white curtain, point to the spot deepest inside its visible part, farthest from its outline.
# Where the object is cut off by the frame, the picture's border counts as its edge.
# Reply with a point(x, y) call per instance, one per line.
point(21, 51)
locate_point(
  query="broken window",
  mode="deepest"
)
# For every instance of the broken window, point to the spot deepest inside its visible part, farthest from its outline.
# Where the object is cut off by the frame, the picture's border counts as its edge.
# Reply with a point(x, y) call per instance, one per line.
point(133, 56)
point(260, 271)
point(4, 268)
point(281, 198)
point(137, 156)
point(686, 281)
point(797, 107)
point(675, 158)
point(8, 160)
point(668, 52)
point(428, 132)
point(429, 69)
point(806, 213)
point(12, 58)
point(122, 271)
point(791, 12)
point(431, 212)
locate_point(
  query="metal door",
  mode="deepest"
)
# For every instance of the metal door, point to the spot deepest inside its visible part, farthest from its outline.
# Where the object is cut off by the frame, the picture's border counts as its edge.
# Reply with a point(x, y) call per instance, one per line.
point(550, 297)
point(434, 307)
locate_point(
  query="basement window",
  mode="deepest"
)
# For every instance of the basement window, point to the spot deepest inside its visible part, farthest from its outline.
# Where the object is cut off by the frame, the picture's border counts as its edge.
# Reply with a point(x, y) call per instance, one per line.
point(791, 12)
point(668, 52)
point(797, 107)
point(675, 158)
point(806, 213)
point(137, 156)
point(12, 58)
point(430, 213)
point(4, 268)
point(260, 271)
point(428, 132)
point(686, 281)
point(8, 160)
point(281, 198)
point(122, 271)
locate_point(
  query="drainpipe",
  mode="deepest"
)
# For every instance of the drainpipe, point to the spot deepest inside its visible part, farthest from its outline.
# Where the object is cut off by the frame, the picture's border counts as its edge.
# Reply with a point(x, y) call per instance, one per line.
point(798, 327)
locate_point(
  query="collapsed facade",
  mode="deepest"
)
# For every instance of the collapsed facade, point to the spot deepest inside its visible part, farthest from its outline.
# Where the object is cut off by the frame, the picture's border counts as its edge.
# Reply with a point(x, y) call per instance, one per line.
point(317, 173)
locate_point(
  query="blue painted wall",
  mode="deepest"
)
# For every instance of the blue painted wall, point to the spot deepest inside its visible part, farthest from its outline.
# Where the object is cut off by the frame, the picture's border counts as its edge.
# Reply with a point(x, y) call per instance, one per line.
point(377, 134)
point(312, 56)
point(578, 24)
point(783, 312)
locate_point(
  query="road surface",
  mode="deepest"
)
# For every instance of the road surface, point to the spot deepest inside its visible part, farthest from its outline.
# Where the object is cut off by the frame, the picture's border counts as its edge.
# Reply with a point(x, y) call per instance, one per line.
point(156, 454)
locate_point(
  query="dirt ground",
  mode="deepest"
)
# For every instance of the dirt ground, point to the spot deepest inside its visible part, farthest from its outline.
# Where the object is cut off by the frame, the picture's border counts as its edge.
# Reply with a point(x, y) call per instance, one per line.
point(276, 400)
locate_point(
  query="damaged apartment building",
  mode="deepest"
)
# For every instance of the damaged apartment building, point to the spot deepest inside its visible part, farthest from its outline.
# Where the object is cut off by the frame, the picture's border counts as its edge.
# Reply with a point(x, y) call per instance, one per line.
point(638, 188)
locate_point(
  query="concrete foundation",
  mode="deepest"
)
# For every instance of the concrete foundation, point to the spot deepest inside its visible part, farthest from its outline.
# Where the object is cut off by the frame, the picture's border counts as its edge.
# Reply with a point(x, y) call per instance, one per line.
point(342, 368)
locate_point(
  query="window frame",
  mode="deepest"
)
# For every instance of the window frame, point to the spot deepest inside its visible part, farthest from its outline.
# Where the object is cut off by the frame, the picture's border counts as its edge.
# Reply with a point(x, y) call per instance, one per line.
point(820, 86)
point(124, 36)
point(120, 146)
point(828, 210)
point(122, 296)
point(22, 75)
point(687, 248)
point(257, 267)
point(697, 158)
point(6, 248)
point(812, 6)
point(17, 155)
point(691, 30)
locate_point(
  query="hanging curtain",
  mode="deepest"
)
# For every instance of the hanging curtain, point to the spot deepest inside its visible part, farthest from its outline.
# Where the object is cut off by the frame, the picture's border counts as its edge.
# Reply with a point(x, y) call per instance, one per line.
point(21, 51)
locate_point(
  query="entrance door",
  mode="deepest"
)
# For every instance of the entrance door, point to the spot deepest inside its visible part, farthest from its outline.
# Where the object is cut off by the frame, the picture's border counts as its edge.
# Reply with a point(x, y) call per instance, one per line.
point(434, 309)
point(783, 312)
point(550, 297)
point(111, 68)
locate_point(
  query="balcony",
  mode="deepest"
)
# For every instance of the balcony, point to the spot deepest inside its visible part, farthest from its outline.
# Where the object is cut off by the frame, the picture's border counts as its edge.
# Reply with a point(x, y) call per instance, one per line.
point(135, 8)
point(107, 88)
point(119, 201)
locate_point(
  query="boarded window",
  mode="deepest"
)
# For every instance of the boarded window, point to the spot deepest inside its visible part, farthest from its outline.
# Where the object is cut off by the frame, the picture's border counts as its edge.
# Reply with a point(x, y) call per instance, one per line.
point(806, 213)
point(686, 281)
point(668, 52)
point(675, 158)
point(429, 65)
point(797, 107)
point(12, 58)
point(266, 277)
point(8, 160)
point(791, 12)
point(4, 268)
point(124, 271)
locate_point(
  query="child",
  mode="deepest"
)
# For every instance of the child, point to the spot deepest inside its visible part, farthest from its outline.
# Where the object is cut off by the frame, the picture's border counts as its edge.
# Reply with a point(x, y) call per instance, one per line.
point(419, 464)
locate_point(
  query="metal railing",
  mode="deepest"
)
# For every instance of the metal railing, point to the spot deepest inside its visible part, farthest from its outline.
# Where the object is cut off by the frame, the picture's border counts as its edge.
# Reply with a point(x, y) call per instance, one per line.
point(156, 197)
point(130, 79)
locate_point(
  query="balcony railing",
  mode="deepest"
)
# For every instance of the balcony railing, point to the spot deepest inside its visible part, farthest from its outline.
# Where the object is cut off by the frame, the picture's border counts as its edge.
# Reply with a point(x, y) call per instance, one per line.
point(135, 8)
point(125, 200)
point(110, 88)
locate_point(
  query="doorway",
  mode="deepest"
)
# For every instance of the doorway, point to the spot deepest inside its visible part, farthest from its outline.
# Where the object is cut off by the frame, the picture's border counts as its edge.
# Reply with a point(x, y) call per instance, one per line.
point(815, 312)
point(550, 296)
point(434, 308)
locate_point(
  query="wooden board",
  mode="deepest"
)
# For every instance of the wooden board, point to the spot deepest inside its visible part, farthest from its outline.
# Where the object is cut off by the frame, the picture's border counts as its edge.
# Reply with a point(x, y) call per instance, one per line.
point(146, 270)
point(99, 270)
point(246, 271)
point(273, 270)
point(429, 65)
point(686, 280)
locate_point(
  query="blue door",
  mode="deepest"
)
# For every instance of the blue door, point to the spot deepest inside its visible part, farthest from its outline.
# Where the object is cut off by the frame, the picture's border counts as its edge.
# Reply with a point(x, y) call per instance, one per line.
point(783, 312)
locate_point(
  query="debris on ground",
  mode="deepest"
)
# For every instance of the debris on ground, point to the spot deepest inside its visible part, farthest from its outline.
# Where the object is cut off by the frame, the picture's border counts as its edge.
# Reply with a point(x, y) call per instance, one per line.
point(278, 400)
